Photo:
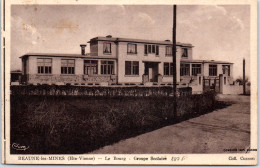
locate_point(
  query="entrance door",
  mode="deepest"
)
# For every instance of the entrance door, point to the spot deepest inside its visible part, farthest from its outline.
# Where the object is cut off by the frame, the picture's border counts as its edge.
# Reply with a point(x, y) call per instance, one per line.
point(151, 69)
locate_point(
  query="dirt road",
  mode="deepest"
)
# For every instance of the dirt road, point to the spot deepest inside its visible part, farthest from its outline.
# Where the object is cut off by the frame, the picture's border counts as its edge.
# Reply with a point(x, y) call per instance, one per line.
point(227, 128)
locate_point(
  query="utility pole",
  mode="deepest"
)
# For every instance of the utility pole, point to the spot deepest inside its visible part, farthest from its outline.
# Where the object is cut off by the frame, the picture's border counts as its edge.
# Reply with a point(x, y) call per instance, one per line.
point(244, 76)
point(174, 62)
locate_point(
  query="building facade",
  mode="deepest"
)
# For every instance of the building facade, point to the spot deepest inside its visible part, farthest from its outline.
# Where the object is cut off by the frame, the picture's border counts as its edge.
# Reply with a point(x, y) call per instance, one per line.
point(123, 61)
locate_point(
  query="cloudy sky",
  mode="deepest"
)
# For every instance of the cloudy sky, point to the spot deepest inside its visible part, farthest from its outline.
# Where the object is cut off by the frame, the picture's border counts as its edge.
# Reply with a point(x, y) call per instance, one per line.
point(216, 32)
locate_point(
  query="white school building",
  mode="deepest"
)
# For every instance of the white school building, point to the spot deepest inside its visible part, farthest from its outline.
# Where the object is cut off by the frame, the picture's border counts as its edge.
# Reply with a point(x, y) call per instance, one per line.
point(124, 61)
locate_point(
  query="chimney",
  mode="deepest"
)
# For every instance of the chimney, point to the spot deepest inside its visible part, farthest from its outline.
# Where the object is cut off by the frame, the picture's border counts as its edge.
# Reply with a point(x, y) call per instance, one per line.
point(83, 49)
point(109, 36)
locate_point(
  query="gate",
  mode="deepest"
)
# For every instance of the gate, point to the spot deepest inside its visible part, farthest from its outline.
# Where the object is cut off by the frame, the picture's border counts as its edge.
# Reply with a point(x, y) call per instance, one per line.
point(211, 84)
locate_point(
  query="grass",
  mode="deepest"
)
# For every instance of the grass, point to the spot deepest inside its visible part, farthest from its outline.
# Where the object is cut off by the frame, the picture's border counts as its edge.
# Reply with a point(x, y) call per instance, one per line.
point(72, 125)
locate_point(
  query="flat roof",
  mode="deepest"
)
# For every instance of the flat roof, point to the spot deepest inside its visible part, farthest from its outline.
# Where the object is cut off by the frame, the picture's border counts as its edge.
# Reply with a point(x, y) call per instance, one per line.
point(205, 61)
point(113, 39)
point(88, 55)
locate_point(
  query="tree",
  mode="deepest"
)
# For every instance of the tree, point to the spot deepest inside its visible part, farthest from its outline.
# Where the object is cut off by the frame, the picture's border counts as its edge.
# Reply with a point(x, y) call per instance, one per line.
point(241, 82)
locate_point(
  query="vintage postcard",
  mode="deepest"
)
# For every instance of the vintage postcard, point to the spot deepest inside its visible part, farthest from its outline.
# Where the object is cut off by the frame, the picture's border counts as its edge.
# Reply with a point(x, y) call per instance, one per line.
point(129, 82)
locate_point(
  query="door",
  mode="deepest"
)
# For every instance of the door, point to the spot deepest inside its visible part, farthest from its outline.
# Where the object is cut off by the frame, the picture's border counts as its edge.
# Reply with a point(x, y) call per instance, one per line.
point(151, 70)
point(150, 74)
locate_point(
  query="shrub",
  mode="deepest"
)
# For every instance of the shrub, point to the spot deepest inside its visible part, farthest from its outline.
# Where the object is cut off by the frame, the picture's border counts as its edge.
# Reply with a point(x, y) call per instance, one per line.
point(53, 124)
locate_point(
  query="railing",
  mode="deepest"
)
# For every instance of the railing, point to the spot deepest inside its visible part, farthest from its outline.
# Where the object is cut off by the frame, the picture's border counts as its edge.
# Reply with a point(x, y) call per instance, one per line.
point(67, 79)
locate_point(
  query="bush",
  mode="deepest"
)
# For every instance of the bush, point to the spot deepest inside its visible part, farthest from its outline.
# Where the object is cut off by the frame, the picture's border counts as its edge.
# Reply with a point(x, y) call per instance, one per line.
point(70, 125)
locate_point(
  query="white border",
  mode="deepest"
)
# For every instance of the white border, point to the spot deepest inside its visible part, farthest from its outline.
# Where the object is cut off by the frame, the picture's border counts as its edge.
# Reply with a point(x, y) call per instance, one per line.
point(190, 159)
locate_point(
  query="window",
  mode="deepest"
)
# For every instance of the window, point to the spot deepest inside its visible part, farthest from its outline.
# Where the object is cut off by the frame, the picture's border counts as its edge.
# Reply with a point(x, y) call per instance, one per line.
point(128, 68)
point(196, 69)
point(168, 69)
point(44, 65)
point(132, 68)
point(184, 53)
point(151, 49)
point(107, 48)
point(226, 69)
point(145, 49)
point(132, 48)
point(67, 66)
point(168, 51)
point(107, 67)
point(90, 67)
point(157, 50)
point(212, 70)
point(185, 69)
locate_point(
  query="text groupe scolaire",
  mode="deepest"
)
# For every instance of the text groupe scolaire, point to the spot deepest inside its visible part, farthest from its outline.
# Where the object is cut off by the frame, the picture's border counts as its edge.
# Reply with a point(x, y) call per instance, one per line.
point(107, 158)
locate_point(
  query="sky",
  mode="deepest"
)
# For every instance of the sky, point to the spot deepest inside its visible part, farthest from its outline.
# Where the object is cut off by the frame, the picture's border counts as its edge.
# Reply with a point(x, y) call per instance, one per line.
point(216, 32)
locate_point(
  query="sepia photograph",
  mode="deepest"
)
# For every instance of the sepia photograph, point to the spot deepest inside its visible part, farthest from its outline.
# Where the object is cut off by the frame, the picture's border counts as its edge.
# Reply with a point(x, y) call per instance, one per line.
point(94, 83)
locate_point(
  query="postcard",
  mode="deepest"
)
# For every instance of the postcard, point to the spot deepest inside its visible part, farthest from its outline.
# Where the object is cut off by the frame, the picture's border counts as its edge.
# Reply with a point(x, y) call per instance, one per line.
point(129, 82)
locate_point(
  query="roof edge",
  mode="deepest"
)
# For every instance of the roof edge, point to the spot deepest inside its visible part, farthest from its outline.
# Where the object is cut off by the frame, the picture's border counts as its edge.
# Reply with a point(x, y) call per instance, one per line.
point(138, 41)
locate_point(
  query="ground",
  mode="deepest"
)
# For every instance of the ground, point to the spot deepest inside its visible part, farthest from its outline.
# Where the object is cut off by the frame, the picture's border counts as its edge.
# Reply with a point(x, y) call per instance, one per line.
point(227, 128)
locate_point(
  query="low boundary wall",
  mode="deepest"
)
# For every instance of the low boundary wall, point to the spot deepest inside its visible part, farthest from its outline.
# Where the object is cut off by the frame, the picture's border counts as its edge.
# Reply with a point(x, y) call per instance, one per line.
point(235, 88)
